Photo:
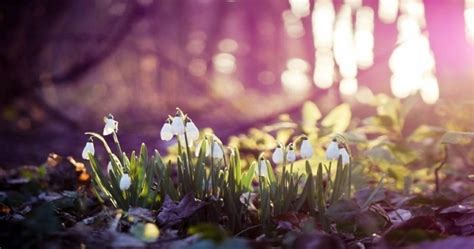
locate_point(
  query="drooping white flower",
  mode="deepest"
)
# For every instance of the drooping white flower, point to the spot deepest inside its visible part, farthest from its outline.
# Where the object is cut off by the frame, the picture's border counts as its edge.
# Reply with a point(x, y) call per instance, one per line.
point(344, 155)
point(278, 155)
point(89, 148)
point(248, 199)
point(291, 154)
point(166, 132)
point(125, 182)
point(217, 151)
point(111, 125)
point(192, 131)
point(306, 149)
point(262, 169)
point(332, 151)
point(177, 125)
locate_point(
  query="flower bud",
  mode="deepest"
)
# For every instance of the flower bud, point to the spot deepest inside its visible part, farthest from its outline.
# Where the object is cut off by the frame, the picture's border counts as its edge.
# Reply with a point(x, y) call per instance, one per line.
point(277, 155)
point(262, 169)
point(89, 148)
point(291, 154)
point(306, 149)
point(166, 132)
point(111, 125)
point(332, 151)
point(125, 182)
point(344, 155)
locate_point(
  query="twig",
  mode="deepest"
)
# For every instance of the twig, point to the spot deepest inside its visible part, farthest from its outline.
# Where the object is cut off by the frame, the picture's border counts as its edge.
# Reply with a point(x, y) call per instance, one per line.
point(247, 229)
point(440, 166)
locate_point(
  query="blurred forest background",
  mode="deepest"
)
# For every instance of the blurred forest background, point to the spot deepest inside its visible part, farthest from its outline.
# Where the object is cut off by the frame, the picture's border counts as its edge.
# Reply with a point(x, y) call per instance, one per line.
point(228, 63)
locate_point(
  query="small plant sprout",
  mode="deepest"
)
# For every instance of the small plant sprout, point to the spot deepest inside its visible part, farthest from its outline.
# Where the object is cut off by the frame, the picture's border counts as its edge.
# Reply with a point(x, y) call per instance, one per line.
point(217, 151)
point(88, 149)
point(199, 145)
point(125, 182)
point(344, 155)
point(332, 151)
point(306, 149)
point(291, 154)
point(111, 126)
point(192, 131)
point(166, 132)
point(278, 155)
point(109, 167)
point(262, 169)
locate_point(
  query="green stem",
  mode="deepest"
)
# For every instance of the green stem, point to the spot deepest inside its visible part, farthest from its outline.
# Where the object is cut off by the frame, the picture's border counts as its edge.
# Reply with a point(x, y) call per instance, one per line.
point(116, 141)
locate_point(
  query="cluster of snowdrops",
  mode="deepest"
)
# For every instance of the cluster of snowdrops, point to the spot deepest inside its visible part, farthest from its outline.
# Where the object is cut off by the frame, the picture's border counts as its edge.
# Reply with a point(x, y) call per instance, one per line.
point(213, 170)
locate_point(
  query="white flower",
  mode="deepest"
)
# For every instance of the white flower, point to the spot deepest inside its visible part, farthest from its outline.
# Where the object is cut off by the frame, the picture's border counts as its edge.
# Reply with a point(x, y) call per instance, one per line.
point(192, 131)
point(109, 167)
point(217, 151)
point(277, 155)
point(111, 125)
point(204, 142)
point(345, 156)
point(291, 155)
point(306, 149)
point(89, 148)
point(125, 182)
point(262, 169)
point(166, 132)
point(177, 125)
point(248, 199)
point(332, 151)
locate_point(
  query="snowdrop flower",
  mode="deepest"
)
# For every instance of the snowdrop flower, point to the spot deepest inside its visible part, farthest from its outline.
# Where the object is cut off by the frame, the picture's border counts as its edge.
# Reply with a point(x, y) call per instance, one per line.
point(345, 156)
point(89, 148)
point(277, 155)
point(166, 132)
point(248, 199)
point(291, 155)
point(111, 125)
point(332, 151)
point(125, 182)
point(191, 130)
point(177, 125)
point(217, 151)
point(262, 169)
point(306, 149)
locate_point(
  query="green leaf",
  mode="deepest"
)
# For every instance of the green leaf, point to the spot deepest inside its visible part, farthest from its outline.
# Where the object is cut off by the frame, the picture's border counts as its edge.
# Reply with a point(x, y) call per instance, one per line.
point(425, 132)
point(208, 231)
point(457, 137)
point(248, 176)
point(339, 118)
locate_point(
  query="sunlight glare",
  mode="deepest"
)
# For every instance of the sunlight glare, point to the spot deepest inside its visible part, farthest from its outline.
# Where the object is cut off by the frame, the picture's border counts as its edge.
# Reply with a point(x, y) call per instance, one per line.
point(224, 63)
point(469, 20)
point(388, 10)
point(348, 86)
point(430, 90)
